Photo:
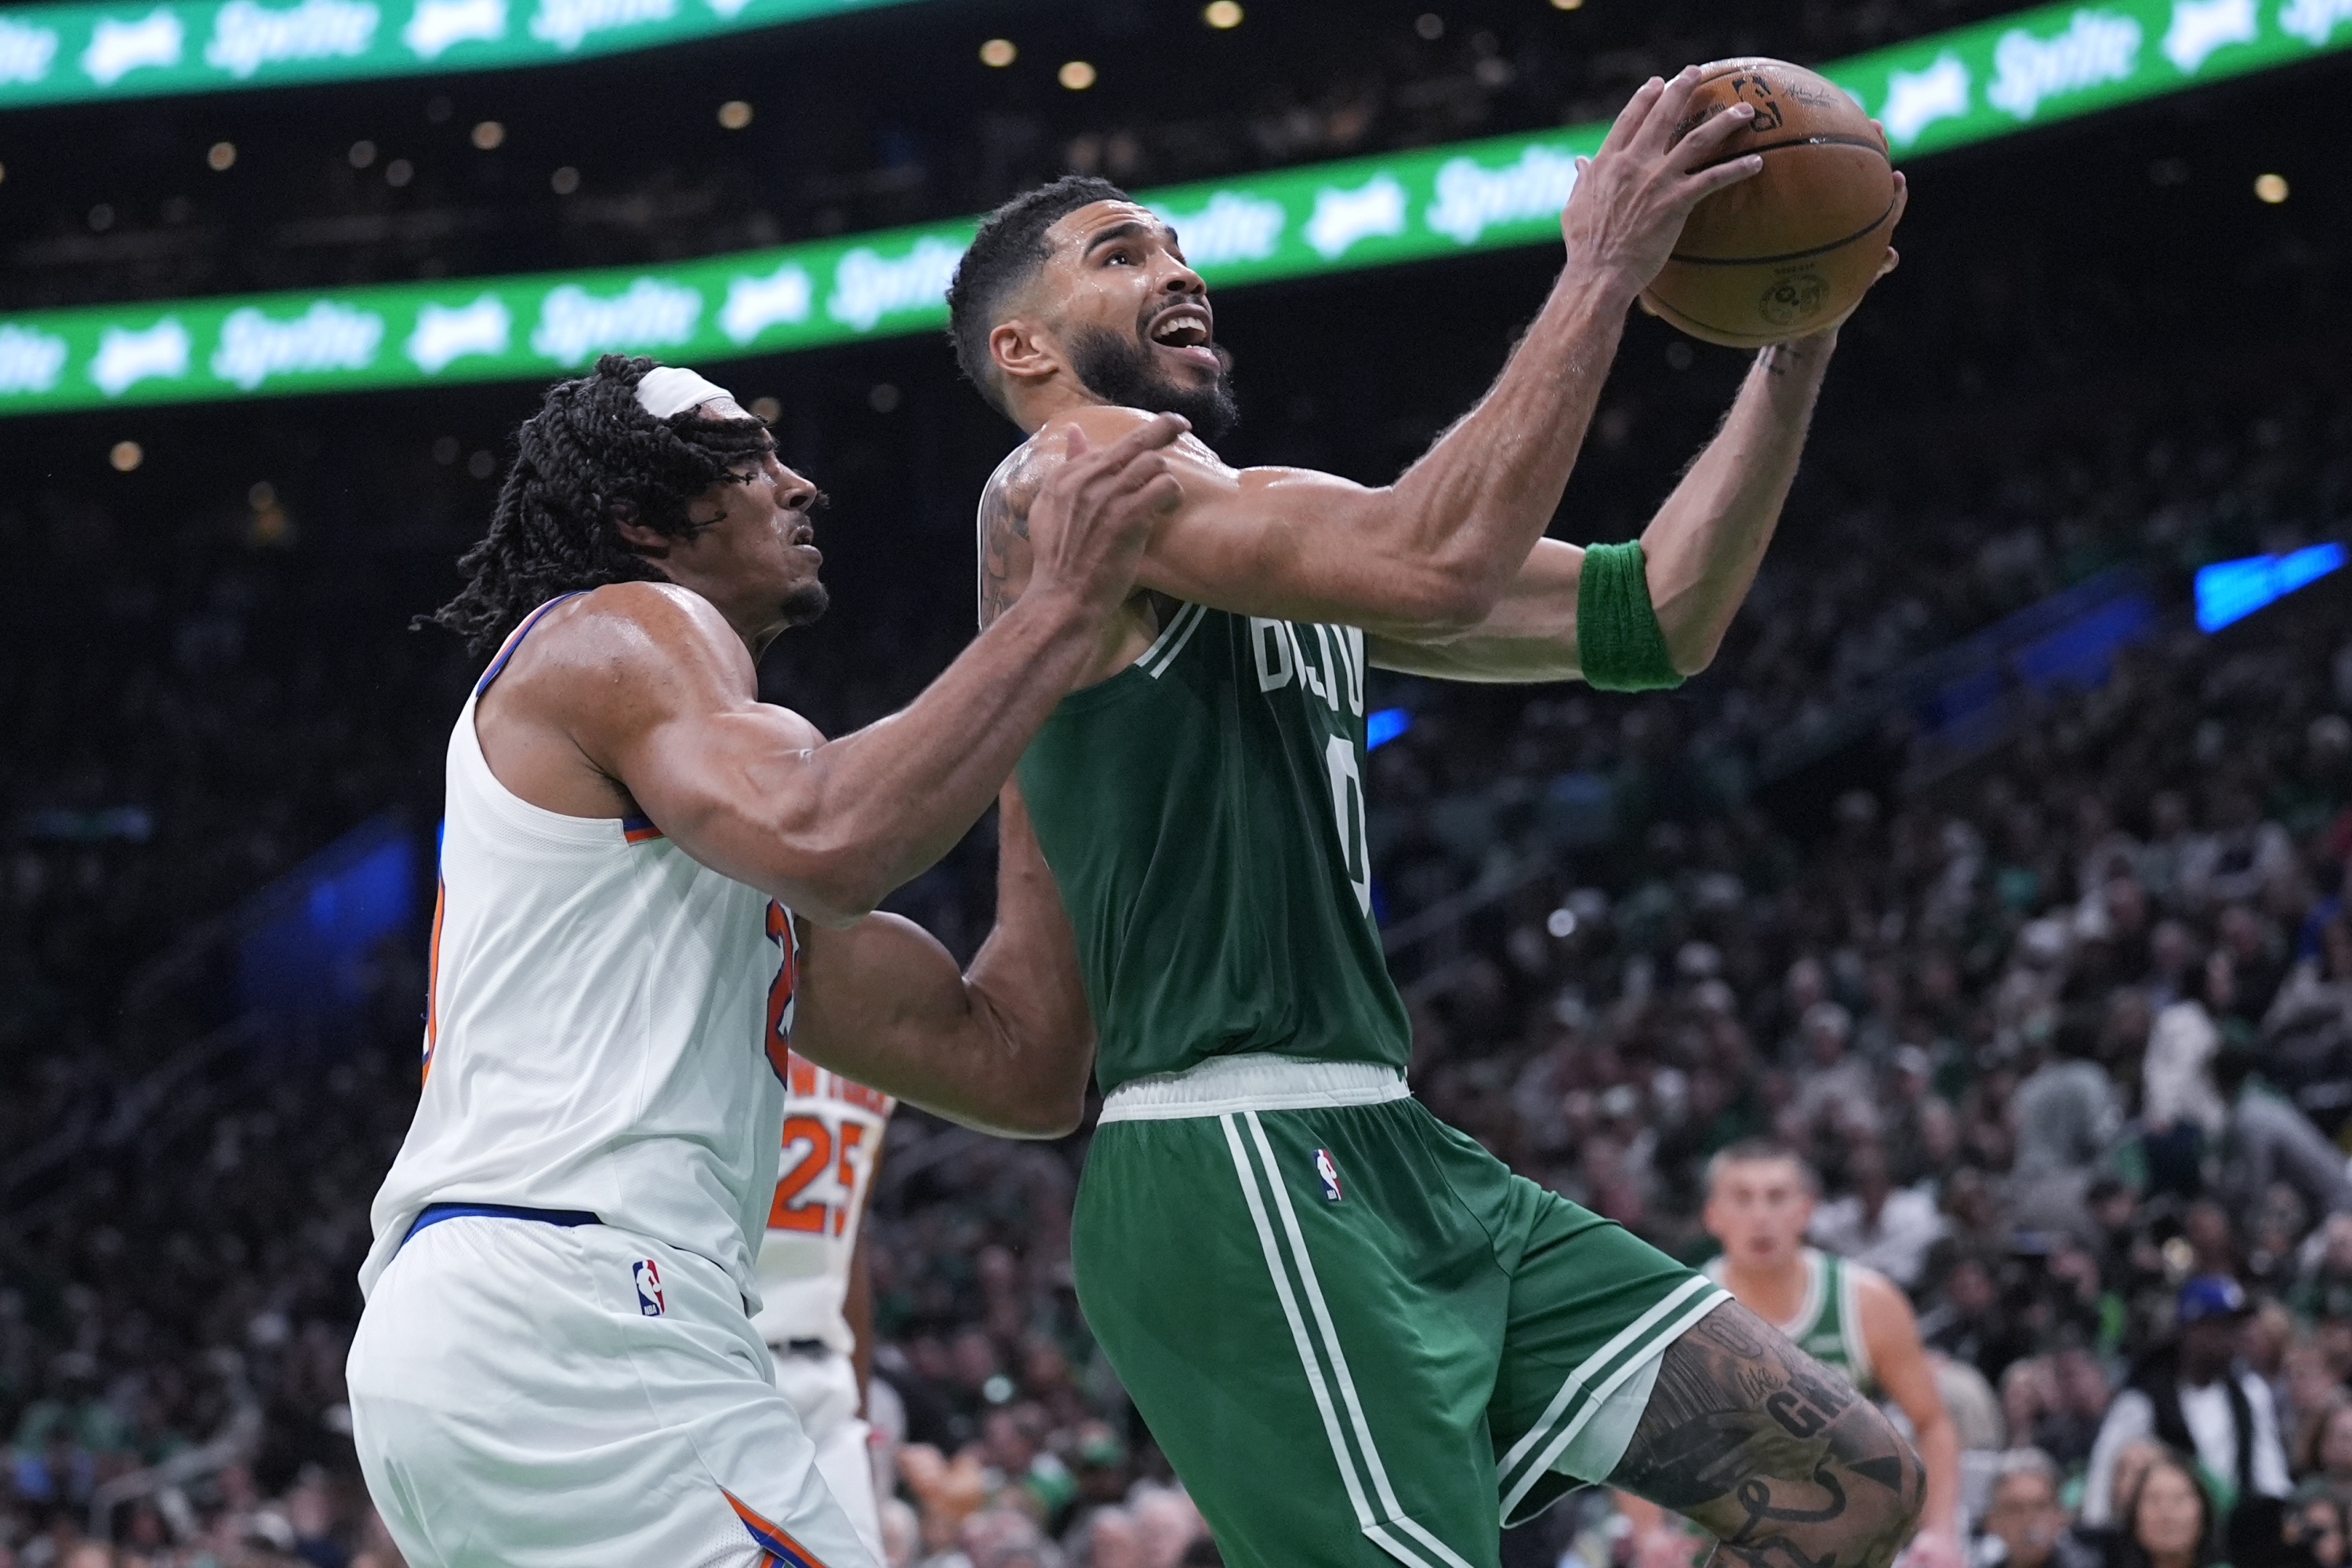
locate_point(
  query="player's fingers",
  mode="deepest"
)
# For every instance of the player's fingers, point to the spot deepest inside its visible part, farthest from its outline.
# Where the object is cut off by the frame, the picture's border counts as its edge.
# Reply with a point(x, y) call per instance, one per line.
point(1137, 454)
point(1091, 470)
point(1893, 259)
point(1629, 119)
point(1902, 195)
point(1151, 436)
point(1657, 132)
point(1710, 136)
point(1156, 497)
point(1135, 474)
point(1702, 184)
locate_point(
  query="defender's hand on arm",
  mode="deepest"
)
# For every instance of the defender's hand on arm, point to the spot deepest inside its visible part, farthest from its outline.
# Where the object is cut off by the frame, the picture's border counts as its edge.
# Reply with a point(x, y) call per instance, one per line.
point(831, 827)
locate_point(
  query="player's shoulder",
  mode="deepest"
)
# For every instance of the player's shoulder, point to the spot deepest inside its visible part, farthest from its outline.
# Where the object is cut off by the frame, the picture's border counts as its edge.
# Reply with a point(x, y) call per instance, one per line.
point(1103, 423)
point(628, 653)
point(646, 627)
point(1880, 1301)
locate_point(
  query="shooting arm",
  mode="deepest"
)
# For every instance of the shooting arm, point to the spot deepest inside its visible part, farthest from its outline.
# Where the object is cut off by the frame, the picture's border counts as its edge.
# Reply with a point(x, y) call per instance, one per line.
point(1004, 1048)
point(1700, 550)
point(1703, 546)
point(1435, 550)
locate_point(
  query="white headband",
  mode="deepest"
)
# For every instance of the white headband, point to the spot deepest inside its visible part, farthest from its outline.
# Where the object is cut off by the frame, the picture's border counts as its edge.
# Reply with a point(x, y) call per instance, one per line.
point(672, 389)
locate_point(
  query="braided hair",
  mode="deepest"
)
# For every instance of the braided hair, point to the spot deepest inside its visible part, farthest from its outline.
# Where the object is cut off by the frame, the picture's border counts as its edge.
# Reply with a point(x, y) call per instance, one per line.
point(591, 457)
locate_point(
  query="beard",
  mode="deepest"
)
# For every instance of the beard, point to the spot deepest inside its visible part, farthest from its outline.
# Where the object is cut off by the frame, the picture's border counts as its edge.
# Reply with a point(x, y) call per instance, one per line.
point(1121, 370)
point(805, 604)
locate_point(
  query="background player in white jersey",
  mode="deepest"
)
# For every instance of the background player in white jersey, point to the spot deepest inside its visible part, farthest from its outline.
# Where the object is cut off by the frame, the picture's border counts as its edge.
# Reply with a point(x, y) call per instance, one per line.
point(652, 886)
point(1759, 1201)
point(816, 1304)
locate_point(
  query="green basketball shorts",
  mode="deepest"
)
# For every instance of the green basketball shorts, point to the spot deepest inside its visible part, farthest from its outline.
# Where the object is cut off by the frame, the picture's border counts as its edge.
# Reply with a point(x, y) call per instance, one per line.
point(1359, 1338)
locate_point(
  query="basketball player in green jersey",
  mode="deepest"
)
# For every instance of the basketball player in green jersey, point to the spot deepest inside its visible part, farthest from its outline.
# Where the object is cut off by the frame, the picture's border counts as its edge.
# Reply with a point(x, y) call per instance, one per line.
point(1360, 1338)
point(1759, 1201)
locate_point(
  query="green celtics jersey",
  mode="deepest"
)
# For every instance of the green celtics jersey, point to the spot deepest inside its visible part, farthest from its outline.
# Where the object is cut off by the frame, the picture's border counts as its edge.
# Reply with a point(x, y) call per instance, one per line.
point(1828, 1324)
point(1203, 812)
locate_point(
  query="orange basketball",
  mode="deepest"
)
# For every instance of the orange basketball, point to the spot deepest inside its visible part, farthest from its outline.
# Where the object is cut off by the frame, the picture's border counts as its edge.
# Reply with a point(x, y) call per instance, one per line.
point(1790, 249)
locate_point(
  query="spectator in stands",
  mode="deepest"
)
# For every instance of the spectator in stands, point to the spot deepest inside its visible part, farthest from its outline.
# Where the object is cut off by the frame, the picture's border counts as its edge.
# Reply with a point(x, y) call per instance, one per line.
point(2168, 1519)
point(2315, 1529)
point(2306, 1036)
point(1875, 1223)
point(1835, 1094)
point(2323, 1284)
point(2181, 1108)
point(2193, 1396)
point(2024, 1520)
point(2266, 1140)
point(2323, 1456)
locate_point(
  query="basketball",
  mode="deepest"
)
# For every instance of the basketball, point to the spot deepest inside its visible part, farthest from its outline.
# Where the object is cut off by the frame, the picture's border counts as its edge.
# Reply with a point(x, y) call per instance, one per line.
point(1782, 253)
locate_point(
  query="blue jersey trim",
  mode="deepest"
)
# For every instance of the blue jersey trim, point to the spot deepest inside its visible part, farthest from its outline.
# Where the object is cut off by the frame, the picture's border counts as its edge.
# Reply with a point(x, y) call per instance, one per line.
point(514, 639)
point(433, 1213)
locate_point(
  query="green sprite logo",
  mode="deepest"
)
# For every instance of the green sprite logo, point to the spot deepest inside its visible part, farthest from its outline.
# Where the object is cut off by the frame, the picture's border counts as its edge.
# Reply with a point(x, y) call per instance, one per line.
point(328, 336)
point(2097, 46)
point(29, 360)
point(246, 37)
point(26, 51)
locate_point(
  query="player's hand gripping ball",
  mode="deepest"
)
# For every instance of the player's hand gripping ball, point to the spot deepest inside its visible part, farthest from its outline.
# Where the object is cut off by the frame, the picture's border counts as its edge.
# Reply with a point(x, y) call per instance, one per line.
point(1790, 250)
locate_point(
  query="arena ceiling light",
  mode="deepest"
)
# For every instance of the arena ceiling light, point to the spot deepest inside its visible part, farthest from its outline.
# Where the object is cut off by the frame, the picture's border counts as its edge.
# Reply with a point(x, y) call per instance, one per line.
point(139, 48)
point(1942, 91)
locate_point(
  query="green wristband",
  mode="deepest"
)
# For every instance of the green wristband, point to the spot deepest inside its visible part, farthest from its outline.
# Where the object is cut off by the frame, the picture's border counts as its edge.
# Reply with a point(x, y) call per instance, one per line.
point(1617, 635)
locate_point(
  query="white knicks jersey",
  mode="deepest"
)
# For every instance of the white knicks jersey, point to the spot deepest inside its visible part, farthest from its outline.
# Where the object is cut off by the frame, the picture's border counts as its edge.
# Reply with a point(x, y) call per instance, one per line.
point(605, 1027)
point(833, 1139)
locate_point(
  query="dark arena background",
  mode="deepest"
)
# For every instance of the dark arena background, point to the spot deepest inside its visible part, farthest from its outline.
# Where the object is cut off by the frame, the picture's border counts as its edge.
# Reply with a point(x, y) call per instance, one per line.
point(2031, 748)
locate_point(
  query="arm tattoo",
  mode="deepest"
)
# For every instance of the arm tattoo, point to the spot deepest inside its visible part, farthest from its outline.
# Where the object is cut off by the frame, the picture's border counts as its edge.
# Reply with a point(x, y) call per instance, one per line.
point(1004, 530)
point(1773, 1453)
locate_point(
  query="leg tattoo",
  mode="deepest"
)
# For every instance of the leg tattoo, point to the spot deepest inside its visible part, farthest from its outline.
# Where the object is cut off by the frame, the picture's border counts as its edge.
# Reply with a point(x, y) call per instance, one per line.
point(1773, 1453)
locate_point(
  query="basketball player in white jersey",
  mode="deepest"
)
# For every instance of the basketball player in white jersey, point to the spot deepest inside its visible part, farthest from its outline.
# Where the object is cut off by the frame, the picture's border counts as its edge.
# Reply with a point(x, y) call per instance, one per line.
point(653, 886)
point(1759, 1201)
point(812, 1280)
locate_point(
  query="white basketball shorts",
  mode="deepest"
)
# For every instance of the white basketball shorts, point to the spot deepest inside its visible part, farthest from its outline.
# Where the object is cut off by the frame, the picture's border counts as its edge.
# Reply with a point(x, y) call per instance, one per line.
point(822, 1385)
point(532, 1396)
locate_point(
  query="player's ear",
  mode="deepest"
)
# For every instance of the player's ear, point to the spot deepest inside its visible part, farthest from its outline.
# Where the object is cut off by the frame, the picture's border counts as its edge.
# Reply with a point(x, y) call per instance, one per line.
point(1023, 352)
point(634, 533)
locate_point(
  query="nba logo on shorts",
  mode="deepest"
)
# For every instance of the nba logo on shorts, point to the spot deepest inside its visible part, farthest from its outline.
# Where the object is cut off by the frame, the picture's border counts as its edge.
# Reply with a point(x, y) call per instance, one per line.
point(1329, 1174)
point(650, 1291)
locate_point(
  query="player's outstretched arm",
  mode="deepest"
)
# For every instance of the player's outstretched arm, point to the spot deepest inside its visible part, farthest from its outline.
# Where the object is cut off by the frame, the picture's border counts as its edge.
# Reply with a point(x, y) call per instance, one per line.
point(1771, 1453)
point(1700, 551)
point(1006, 1046)
point(665, 702)
point(1435, 551)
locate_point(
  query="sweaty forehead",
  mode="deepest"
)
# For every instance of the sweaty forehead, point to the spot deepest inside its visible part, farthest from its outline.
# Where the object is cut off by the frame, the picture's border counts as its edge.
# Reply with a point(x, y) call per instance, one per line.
point(1070, 234)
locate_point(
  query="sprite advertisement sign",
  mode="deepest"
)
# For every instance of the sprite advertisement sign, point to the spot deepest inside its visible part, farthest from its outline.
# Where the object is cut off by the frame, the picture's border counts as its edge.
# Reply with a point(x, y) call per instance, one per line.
point(1933, 93)
point(54, 54)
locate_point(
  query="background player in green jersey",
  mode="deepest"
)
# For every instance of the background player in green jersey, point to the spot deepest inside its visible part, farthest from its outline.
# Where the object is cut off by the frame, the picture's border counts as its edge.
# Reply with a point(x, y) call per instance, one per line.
point(1759, 1201)
point(1359, 1338)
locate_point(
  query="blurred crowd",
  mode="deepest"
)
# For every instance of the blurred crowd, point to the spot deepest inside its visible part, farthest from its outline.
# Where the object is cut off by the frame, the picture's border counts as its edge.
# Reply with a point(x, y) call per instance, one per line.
point(858, 125)
point(2066, 1028)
